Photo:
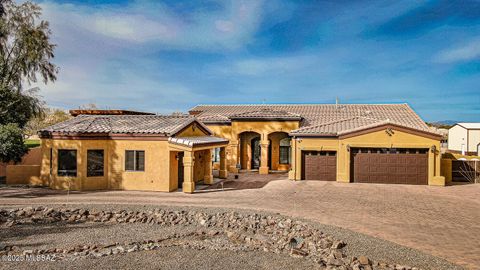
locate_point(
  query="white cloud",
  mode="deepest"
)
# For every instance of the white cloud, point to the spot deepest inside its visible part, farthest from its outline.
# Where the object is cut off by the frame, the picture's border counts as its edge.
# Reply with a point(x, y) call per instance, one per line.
point(270, 65)
point(466, 52)
point(230, 27)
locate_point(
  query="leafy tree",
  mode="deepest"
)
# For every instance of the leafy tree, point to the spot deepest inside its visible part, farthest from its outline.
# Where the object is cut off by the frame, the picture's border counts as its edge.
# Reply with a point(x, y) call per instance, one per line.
point(50, 117)
point(25, 53)
point(12, 147)
point(2, 10)
point(19, 107)
point(25, 48)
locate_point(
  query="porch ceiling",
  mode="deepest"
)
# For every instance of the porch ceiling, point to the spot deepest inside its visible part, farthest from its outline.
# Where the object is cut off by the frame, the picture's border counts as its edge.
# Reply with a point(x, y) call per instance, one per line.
point(199, 141)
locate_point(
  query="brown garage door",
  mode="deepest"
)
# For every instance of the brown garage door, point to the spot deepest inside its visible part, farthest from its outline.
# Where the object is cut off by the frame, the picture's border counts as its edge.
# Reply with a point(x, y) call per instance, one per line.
point(390, 166)
point(319, 165)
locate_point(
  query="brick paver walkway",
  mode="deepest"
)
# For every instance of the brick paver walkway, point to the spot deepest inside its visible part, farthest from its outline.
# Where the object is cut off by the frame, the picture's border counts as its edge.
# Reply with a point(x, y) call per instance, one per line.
point(442, 221)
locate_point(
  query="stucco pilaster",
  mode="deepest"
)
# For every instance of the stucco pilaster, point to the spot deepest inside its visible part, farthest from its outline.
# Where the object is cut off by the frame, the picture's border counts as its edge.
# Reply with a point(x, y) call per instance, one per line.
point(223, 173)
point(264, 157)
point(232, 156)
point(293, 162)
point(188, 162)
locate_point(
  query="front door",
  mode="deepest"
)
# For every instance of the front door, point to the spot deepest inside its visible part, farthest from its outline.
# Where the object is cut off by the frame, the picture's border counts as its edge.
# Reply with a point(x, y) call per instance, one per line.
point(180, 169)
point(256, 153)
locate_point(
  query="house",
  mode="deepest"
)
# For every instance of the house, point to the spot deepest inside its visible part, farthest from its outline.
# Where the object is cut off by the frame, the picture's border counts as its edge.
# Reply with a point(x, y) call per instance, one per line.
point(464, 138)
point(345, 143)
point(386, 143)
point(129, 152)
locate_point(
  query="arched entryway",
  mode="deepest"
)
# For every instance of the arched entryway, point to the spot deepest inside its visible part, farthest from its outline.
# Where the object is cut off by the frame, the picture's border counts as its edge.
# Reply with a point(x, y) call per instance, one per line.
point(249, 150)
point(279, 151)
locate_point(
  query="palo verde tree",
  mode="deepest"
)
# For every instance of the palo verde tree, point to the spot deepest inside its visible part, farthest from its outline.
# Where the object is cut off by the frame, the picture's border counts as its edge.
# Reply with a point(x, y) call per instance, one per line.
point(25, 55)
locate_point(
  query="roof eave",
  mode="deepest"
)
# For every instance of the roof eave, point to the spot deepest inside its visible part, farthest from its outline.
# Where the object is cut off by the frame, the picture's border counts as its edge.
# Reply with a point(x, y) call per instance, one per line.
point(283, 119)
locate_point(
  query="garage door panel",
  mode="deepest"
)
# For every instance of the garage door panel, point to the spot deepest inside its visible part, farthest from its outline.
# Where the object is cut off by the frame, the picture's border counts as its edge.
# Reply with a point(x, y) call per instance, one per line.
point(380, 166)
point(319, 165)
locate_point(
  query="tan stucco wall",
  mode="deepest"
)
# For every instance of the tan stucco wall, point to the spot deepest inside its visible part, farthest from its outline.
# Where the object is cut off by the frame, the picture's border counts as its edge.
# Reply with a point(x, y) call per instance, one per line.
point(190, 131)
point(23, 175)
point(374, 139)
point(33, 157)
point(446, 169)
point(115, 176)
point(161, 164)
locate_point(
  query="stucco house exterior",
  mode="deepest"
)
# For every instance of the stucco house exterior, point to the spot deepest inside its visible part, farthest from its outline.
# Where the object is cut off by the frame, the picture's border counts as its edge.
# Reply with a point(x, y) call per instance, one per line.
point(464, 138)
point(386, 143)
point(129, 152)
point(345, 143)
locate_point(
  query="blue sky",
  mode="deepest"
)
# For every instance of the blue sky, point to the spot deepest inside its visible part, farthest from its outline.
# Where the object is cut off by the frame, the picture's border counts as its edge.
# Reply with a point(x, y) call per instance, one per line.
point(165, 56)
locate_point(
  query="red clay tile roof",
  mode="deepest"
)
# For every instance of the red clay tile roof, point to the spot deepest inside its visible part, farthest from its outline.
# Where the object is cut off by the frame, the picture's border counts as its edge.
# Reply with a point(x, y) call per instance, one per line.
point(322, 118)
point(266, 113)
point(166, 125)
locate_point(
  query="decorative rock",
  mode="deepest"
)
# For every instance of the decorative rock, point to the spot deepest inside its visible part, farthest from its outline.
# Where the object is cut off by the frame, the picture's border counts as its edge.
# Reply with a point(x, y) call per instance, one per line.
point(363, 260)
point(243, 232)
point(298, 252)
point(338, 244)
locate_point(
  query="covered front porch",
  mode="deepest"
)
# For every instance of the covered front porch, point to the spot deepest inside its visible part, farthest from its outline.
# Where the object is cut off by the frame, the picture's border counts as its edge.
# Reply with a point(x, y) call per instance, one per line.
point(191, 161)
point(263, 152)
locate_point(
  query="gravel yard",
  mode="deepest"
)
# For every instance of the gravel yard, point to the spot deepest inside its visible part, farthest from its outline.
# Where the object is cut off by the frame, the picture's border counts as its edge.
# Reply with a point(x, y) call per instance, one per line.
point(177, 258)
point(185, 245)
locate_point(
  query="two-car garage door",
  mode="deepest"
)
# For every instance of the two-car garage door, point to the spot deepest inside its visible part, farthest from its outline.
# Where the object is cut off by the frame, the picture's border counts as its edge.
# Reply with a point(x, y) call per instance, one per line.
point(370, 165)
point(389, 166)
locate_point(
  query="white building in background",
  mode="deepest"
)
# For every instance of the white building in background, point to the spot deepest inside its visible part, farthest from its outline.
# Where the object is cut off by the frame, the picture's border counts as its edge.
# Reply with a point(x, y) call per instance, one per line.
point(464, 138)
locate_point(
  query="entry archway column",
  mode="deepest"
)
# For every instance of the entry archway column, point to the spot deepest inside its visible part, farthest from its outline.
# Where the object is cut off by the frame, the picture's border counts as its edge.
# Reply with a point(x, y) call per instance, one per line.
point(264, 144)
point(223, 173)
point(188, 162)
point(233, 156)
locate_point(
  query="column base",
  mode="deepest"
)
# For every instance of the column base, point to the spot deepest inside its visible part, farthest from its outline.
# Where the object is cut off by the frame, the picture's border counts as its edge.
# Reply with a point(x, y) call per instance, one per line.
point(233, 169)
point(263, 170)
point(208, 179)
point(291, 175)
point(437, 181)
point(188, 187)
point(223, 174)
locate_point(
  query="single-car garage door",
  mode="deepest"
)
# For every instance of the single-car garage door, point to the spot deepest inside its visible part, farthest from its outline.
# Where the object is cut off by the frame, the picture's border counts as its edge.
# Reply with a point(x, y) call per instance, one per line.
point(319, 165)
point(390, 166)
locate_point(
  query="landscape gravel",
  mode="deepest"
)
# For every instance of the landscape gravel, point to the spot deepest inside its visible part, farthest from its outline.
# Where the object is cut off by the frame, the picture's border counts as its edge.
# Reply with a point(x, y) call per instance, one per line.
point(63, 235)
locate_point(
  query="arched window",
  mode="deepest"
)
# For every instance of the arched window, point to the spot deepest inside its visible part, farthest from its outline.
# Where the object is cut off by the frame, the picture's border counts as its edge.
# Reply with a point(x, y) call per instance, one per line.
point(284, 153)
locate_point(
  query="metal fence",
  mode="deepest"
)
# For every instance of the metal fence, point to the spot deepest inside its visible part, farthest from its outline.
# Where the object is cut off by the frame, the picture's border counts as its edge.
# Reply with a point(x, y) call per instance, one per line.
point(466, 171)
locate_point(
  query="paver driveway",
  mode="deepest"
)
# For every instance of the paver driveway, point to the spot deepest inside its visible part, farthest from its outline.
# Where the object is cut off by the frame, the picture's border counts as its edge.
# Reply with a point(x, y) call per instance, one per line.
point(442, 221)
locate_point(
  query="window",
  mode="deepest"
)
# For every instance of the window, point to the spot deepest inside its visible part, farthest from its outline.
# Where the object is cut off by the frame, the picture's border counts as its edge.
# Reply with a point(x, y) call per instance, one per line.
point(94, 163)
point(134, 160)
point(284, 153)
point(216, 155)
point(67, 163)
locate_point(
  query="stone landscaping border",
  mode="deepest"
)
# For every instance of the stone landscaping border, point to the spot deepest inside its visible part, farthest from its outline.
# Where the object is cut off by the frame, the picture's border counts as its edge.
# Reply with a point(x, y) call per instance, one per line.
point(218, 231)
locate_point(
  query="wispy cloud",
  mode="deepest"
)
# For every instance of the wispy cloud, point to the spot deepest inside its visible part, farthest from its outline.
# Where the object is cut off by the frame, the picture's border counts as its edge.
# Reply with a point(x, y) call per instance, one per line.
point(269, 65)
point(467, 52)
point(229, 27)
point(170, 55)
